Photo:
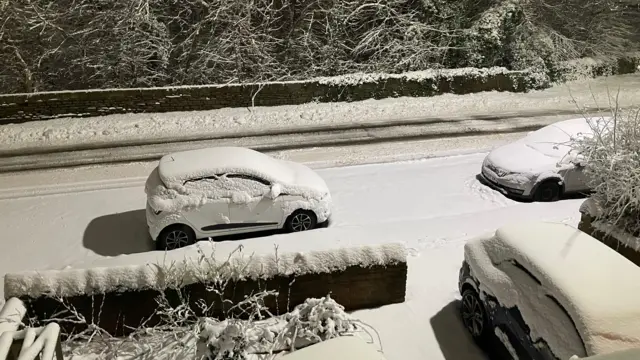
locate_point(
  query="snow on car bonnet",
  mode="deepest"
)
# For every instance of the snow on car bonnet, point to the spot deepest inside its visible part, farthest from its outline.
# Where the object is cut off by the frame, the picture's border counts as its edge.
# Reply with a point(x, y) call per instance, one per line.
point(597, 286)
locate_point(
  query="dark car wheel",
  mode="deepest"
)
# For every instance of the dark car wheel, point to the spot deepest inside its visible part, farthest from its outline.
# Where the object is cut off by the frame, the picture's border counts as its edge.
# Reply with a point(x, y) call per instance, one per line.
point(175, 237)
point(474, 315)
point(301, 220)
point(547, 191)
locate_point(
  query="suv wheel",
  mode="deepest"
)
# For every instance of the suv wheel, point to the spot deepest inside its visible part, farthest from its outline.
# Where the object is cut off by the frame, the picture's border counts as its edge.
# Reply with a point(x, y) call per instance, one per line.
point(474, 315)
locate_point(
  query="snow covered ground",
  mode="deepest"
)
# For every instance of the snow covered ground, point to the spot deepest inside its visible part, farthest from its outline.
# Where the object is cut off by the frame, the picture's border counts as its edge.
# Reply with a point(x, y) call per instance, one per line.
point(95, 217)
point(69, 132)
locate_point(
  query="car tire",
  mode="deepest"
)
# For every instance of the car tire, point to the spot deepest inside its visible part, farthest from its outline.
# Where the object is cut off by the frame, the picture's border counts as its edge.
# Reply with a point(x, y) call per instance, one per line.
point(474, 316)
point(301, 220)
point(548, 191)
point(175, 237)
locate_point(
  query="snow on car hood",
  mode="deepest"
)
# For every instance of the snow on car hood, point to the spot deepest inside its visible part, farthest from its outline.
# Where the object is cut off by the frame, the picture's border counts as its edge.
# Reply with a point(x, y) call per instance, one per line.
point(524, 158)
point(306, 178)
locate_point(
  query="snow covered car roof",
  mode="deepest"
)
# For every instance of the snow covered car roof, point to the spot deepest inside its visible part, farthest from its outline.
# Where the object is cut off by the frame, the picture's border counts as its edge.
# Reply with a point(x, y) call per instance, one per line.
point(630, 354)
point(340, 348)
point(598, 287)
point(186, 165)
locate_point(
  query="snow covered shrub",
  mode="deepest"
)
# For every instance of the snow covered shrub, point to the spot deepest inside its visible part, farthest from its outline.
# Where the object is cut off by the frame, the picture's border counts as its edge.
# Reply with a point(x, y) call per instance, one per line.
point(318, 320)
point(313, 321)
point(228, 340)
point(612, 160)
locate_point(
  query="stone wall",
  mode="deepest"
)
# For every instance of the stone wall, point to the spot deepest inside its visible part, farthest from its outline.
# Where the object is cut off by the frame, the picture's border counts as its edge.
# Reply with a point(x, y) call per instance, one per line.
point(355, 288)
point(585, 226)
point(16, 108)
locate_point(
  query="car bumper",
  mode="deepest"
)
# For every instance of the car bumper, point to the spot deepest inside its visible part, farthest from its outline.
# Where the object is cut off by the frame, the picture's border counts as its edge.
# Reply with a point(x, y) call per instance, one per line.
point(504, 189)
point(326, 223)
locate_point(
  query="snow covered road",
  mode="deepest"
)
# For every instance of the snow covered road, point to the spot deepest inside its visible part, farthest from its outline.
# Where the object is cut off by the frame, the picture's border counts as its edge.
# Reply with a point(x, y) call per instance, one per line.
point(432, 205)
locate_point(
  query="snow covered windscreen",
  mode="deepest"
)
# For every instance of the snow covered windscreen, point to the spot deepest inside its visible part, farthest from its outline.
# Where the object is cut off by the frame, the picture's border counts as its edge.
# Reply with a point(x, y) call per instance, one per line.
point(556, 139)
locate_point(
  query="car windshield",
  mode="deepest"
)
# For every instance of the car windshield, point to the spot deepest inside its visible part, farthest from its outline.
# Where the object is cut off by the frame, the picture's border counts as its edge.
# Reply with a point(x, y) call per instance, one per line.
point(556, 140)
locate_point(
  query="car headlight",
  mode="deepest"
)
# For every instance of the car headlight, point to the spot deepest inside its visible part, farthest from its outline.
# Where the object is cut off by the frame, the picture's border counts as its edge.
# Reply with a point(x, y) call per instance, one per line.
point(503, 173)
point(497, 170)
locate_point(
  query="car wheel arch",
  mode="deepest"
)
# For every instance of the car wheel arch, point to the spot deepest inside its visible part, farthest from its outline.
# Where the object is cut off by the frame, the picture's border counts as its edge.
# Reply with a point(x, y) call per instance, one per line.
point(469, 285)
point(549, 178)
point(175, 225)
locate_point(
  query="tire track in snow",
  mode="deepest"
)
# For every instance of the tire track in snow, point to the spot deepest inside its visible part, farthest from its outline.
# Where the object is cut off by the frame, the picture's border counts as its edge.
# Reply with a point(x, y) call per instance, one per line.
point(69, 188)
point(475, 187)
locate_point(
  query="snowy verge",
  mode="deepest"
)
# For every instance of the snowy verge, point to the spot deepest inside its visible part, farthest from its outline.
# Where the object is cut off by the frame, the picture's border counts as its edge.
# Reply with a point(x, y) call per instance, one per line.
point(340, 80)
point(50, 105)
point(191, 269)
point(229, 122)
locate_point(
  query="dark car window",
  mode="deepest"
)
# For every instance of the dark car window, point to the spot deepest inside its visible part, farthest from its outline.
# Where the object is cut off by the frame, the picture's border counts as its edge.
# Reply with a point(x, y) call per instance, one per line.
point(206, 178)
point(519, 266)
point(555, 301)
point(248, 177)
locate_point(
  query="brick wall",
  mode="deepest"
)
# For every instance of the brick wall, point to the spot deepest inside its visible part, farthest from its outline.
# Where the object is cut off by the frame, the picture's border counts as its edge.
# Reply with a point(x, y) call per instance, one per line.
point(629, 253)
point(15, 108)
point(355, 288)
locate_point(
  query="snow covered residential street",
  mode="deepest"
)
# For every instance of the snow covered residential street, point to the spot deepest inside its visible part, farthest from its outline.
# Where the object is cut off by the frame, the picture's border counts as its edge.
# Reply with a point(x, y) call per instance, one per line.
point(433, 206)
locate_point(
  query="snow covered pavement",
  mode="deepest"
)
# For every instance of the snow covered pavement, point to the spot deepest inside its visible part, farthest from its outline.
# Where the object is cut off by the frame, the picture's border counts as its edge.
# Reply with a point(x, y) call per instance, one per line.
point(432, 205)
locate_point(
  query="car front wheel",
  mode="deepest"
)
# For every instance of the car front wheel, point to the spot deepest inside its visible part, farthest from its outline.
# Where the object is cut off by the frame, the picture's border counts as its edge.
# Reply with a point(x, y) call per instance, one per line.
point(474, 315)
point(547, 191)
point(175, 237)
point(301, 220)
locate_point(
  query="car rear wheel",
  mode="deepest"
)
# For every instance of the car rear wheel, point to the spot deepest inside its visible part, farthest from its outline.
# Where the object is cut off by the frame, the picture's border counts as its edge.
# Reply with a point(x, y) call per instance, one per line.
point(474, 315)
point(175, 237)
point(301, 220)
point(547, 191)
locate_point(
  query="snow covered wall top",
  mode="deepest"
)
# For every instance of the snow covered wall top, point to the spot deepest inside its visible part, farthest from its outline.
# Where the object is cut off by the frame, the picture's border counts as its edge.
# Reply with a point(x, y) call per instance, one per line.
point(195, 267)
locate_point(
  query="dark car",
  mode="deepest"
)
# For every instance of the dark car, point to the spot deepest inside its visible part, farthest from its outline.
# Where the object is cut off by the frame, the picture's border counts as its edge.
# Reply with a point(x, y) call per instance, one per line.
point(548, 291)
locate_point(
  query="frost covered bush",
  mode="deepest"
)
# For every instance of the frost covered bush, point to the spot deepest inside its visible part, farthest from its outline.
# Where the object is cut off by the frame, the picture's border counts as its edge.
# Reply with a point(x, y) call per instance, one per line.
point(313, 321)
point(612, 159)
point(318, 320)
point(80, 44)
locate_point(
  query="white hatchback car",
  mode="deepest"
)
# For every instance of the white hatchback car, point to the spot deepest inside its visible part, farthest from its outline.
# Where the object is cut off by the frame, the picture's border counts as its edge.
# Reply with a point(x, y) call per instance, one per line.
point(230, 190)
point(542, 166)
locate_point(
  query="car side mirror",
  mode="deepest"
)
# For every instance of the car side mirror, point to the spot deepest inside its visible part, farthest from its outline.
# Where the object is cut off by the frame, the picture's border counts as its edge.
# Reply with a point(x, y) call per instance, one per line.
point(274, 191)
